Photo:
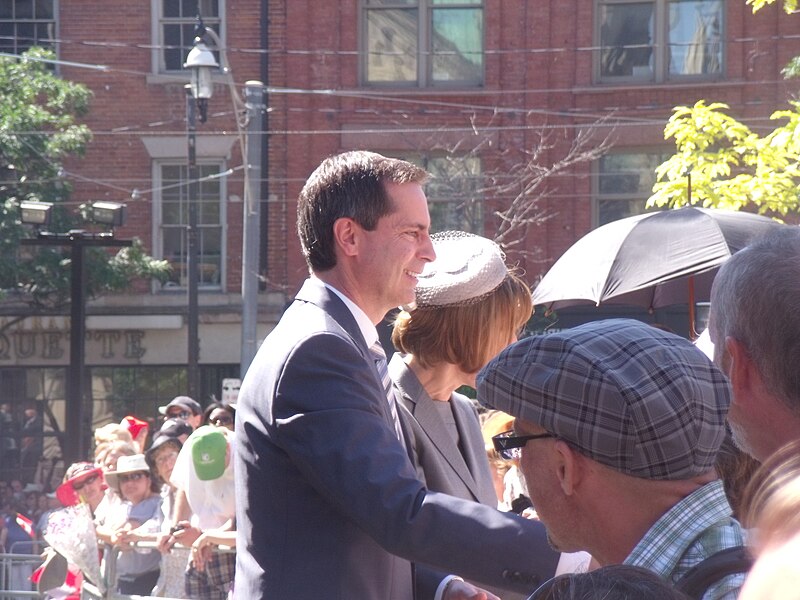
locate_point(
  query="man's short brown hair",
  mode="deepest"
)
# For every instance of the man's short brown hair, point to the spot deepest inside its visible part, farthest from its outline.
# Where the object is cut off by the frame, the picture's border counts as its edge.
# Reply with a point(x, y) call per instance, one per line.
point(349, 185)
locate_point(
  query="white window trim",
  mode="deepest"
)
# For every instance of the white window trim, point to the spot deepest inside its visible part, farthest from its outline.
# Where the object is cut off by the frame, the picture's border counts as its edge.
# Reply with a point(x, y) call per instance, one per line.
point(157, 74)
point(56, 32)
point(157, 230)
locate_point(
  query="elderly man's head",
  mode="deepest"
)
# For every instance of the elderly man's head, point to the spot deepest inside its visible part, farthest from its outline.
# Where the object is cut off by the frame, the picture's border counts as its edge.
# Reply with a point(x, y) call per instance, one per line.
point(629, 402)
point(755, 327)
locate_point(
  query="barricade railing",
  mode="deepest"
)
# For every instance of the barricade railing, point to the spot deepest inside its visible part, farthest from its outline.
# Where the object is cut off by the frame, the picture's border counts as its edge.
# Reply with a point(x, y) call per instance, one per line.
point(91, 591)
point(15, 573)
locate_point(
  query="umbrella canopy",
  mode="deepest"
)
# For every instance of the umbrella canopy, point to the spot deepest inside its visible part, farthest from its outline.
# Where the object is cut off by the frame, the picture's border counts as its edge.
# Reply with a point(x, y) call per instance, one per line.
point(650, 260)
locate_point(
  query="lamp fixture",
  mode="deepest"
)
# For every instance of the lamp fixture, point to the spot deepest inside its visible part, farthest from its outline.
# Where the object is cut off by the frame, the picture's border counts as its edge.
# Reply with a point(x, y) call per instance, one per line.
point(112, 214)
point(201, 61)
point(36, 213)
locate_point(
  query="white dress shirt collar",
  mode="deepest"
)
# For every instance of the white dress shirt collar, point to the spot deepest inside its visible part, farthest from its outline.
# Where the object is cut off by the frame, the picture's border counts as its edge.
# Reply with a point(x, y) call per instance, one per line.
point(366, 326)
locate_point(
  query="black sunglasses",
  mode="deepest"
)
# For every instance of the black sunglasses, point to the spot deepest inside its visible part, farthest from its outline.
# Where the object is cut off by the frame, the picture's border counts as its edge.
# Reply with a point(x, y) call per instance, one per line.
point(78, 486)
point(131, 477)
point(184, 414)
point(509, 446)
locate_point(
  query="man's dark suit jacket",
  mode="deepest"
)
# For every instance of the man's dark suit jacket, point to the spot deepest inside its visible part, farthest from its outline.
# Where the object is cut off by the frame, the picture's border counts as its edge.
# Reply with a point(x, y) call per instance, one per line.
point(328, 502)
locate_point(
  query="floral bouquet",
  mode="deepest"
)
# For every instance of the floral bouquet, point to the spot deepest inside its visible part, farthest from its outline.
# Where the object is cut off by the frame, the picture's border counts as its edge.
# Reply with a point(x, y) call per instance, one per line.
point(70, 532)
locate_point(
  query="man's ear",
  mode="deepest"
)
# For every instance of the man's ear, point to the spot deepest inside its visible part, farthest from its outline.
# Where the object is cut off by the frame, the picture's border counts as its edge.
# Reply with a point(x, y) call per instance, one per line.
point(345, 235)
point(568, 467)
point(741, 368)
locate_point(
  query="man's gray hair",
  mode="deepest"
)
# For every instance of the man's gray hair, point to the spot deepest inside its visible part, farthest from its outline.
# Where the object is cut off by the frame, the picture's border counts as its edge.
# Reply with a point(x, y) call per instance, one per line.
point(755, 299)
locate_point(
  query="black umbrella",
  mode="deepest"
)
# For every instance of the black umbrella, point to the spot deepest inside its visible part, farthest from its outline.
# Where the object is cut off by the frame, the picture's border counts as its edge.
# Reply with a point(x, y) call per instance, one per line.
point(652, 260)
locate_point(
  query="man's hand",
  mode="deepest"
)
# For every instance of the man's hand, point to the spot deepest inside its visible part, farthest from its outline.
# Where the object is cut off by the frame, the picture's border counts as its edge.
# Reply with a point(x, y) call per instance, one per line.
point(165, 542)
point(186, 534)
point(201, 551)
point(461, 590)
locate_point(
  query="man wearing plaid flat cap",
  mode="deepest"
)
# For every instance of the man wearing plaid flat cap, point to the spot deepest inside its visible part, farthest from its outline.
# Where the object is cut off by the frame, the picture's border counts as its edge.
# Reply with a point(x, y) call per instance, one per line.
point(617, 429)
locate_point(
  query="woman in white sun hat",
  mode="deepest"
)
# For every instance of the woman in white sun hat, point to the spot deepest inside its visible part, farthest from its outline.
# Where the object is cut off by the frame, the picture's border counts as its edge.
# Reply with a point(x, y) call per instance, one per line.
point(137, 570)
point(469, 306)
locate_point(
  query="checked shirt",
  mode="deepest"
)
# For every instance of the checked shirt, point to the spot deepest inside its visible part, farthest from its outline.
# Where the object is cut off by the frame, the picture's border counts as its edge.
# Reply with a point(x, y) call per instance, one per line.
point(692, 530)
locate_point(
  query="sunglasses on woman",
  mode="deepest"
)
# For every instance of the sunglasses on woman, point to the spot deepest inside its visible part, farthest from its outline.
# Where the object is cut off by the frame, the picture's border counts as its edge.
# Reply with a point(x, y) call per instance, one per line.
point(79, 485)
point(131, 477)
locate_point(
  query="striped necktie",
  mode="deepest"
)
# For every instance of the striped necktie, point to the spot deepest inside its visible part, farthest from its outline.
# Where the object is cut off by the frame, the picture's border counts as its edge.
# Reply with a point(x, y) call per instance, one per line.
point(379, 356)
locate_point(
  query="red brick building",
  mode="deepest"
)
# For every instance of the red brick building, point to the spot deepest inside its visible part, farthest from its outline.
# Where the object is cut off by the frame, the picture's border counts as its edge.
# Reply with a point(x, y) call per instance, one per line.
point(490, 95)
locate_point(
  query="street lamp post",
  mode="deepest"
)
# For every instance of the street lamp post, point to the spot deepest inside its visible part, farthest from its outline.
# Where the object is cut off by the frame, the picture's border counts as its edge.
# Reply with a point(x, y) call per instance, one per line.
point(75, 442)
point(201, 61)
point(193, 351)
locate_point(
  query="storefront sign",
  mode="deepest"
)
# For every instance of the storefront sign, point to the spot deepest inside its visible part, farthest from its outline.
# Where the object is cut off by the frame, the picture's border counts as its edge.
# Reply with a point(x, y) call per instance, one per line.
point(35, 341)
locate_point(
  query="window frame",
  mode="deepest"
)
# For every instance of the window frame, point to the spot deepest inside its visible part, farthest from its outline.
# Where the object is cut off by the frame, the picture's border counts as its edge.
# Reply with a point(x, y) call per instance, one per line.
point(660, 47)
point(598, 196)
point(158, 230)
point(423, 159)
point(424, 53)
point(54, 33)
point(158, 20)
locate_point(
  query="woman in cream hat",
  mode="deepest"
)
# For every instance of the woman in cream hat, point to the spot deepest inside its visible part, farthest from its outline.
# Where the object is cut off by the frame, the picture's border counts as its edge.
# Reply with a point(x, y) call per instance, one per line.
point(137, 570)
point(469, 306)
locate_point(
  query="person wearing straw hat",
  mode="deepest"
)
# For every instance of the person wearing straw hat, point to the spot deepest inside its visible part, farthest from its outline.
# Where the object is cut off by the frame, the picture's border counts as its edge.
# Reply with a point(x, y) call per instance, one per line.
point(137, 570)
point(328, 502)
point(618, 425)
point(83, 482)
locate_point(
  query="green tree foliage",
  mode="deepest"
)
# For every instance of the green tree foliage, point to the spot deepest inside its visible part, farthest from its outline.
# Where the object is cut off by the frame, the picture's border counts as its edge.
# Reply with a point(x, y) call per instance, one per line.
point(39, 128)
point(720, 163)
point(792, 69)
point(730, 166)
point(788, 5)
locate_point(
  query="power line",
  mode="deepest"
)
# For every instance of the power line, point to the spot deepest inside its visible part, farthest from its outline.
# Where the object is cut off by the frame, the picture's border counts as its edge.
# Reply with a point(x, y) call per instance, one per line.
point(149, 47)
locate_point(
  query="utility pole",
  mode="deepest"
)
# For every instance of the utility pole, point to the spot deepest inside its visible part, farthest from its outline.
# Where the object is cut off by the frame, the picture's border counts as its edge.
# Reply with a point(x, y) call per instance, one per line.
point(254, 101)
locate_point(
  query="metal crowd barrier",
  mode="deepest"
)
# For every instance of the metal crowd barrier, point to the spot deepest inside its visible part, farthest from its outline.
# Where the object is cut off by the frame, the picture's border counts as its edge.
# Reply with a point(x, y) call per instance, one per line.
point(16, 567)
point(90, 591)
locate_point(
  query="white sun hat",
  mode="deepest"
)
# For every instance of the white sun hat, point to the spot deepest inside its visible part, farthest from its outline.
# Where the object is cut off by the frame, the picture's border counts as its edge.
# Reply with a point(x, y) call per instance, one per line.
point(467, 268)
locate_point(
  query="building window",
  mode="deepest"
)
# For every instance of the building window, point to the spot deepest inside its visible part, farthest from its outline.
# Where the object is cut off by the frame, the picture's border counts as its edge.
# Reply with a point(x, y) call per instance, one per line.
point(455, 200)
point(659, 40)
point(423, 42)
point(27, 23)
point(624, 183)
point(172, 215)
point(176, 23)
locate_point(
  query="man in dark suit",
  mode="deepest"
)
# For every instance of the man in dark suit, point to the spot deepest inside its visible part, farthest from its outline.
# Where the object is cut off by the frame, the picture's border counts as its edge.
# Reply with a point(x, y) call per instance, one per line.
point(328, 503)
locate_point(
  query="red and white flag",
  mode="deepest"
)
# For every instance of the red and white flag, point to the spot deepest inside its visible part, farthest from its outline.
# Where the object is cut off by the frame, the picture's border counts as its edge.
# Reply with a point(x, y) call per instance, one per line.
point(25, 523)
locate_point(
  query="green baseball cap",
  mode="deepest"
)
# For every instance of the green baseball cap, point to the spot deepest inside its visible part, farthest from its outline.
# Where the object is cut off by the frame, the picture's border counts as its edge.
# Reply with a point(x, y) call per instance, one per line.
point(209, 447)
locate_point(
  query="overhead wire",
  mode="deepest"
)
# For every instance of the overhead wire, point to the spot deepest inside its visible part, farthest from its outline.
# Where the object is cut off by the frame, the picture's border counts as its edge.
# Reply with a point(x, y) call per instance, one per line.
point(402, 96)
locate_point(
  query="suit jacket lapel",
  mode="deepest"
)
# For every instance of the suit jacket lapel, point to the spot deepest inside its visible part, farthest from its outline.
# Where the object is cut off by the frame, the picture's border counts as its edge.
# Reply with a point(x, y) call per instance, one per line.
point(314, 291)
point(420, 405)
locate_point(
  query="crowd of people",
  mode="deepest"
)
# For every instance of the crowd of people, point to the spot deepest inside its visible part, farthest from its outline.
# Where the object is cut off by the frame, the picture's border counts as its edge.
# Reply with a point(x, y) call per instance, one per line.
point(611, 460)
point(161, 506)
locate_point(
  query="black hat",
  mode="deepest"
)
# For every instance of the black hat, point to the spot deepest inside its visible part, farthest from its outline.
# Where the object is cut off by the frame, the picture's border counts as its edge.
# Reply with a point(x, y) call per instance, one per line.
point(174, 428)
point(183, 402)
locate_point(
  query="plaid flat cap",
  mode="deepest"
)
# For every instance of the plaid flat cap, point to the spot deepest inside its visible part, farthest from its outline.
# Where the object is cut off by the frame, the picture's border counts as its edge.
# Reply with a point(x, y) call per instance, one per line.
point(632, 397)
